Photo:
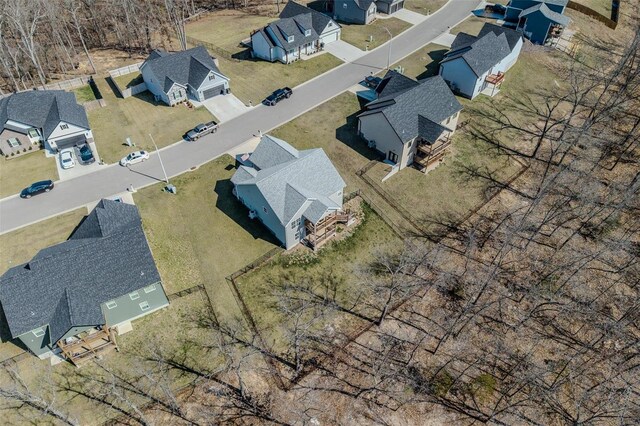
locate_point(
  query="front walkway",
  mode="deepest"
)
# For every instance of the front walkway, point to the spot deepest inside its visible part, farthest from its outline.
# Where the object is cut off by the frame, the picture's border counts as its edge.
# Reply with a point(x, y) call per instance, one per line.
point(445, 39)
point(344, 51)
point(223, 107)
point(409, 16)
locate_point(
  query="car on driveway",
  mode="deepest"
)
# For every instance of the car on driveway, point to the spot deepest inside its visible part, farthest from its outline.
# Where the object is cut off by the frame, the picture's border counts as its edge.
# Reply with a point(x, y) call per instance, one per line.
point(372, 81)
point(37, 188)
point(200, 130)
point(84, 154)
point(278, 95)
point(134, 157)
point(66, 158)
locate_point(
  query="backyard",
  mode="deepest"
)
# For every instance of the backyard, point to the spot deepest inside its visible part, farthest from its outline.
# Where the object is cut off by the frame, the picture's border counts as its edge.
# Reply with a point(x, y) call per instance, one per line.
point(359, 35)
point(20, 172)
point(84, 94)
point(251, 79)
point(137, 117)
point(603, 7)
point(425, 7)
point(129, 80)
point(423, 63)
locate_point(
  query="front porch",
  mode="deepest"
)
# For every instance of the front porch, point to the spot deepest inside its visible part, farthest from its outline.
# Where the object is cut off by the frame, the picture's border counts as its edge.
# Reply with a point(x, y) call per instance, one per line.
point(88, 344)
point(325, 229)
point(428, 154)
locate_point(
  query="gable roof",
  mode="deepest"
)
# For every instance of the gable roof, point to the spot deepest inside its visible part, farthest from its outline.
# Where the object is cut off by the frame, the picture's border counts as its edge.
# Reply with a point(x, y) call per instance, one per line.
point(190, 66)
point(512, 36)
point(318, 20)
point(64, 285)
point(294, 26)
point(393, 82)
point(292, 180)
point(547, 13)
point(483, 53)
point(554, 2)
point(363, 4)
point(410, 111)
point(43, 109)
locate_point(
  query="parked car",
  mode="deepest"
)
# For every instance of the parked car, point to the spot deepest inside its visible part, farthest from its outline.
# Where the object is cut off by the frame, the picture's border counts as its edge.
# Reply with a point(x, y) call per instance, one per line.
point(37, 188)
point(66, 158)
point(278, 95)
point(84, 154)
point(371, 81)
point(134, 157)
point(201, 130)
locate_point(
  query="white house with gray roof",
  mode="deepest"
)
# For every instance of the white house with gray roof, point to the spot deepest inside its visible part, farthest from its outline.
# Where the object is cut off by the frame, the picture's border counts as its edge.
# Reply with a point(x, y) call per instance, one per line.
point(410, 121)
point(476, 63)
point(297, 195)
point(73, 297)
point(174, 77)
point(52, 117)
point(299, 31)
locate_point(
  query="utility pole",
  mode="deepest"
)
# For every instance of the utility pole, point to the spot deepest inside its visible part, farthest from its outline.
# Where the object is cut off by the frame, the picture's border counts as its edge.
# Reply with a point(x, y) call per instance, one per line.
point(166, 178)
point(390, 41)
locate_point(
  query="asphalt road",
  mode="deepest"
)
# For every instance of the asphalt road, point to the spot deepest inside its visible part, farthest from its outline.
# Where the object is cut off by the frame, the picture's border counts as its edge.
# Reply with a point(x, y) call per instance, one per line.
point(178, 158)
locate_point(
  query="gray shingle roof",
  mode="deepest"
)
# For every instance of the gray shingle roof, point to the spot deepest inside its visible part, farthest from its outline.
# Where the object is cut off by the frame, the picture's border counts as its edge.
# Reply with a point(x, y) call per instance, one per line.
point(319, 20)
point(512, 36)
point(292, 182)
point(394, 82)
point(555, 2)
point(406, 111)
point(294, 26)
point(64, 285)
point(186, 67)
point(43, 109)
point(363, 4)
point(547, 13)
point(482, 54)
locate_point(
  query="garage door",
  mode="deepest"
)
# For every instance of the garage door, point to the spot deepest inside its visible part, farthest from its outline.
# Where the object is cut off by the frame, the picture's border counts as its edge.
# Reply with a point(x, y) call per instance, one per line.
point(69, 142)
point(210, 93)
point(329, 38)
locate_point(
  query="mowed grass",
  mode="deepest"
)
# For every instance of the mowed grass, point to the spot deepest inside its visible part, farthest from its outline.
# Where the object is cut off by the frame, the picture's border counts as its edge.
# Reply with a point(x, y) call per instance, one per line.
point(203, 233)
point(252, 80)
point(358, 35)
point(20, 172)
point(137, 117)
point(128, 80)
point(424, 7)
point(603, 7)
point(423, 63)
point(471, 25)
point(84, 94)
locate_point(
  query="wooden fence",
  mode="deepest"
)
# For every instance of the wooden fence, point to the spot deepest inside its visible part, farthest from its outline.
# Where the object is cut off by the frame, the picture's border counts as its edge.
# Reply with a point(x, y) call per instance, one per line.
point(592, 13)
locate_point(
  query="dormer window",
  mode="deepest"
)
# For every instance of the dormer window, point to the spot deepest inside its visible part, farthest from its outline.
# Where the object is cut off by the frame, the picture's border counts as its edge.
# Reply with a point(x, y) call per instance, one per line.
point(307, 33)
point(212, 77)
point(290, 39)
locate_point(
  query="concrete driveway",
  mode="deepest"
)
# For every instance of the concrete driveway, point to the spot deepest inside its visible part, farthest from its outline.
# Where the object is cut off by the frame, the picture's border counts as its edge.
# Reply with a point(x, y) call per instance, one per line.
point(78, 169)
point(343, 50)
point(225, 107)
point(445, 39)
point(409, 16)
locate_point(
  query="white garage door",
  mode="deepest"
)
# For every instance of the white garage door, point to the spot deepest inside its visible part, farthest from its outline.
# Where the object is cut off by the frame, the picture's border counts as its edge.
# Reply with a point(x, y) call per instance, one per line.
point(329, 38)
point(210, 93)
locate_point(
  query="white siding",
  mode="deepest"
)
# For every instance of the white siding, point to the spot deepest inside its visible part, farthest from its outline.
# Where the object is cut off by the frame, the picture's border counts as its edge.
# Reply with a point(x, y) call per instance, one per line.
point(458, 72)
point(71, 130)
point(153, 85)
point(260, 47)
point(504, 65)
point(253, 199)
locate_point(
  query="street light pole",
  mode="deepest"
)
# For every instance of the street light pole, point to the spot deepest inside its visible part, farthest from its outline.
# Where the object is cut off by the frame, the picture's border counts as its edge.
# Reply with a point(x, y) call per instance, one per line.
point(390, 41)
point(166, 178)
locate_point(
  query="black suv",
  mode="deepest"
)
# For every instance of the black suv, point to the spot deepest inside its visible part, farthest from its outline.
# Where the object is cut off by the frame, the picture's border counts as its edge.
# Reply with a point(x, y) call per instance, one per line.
point(278, 95)
point(37, 188)
point(84, 154)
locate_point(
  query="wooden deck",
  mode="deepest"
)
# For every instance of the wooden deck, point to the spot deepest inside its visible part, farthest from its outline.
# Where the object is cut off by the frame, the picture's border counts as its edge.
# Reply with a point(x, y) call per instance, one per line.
point(325, 229)
point(429, 154)
point(89, 346)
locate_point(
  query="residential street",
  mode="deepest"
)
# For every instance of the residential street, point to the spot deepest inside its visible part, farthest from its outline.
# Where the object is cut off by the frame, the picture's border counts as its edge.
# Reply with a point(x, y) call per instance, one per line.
point(108, 180)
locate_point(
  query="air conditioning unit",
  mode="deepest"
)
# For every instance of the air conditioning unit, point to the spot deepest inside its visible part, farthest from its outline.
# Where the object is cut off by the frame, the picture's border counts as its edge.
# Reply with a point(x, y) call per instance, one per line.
point(252, 214)
point(371, 144)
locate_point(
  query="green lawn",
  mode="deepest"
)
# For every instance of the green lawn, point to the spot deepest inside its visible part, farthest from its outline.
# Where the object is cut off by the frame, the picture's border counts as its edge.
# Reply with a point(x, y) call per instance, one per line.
point(202, 234)
point(129, 80)
point(19, 172)
point(358, 35)
point(471, 25)
point(136, 117)
point(84, 94)
point(226, 29)
point(424, 7)
point(424, 62)
point(603, 7)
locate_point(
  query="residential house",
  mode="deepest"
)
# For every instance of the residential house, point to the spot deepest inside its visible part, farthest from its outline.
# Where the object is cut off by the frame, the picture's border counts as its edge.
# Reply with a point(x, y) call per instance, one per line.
point(355, 11)
point(174, 77)
point(389, 6)
point(539, 20)
point(297, 195)
point(476, 63)
point(327, 29)
point(410, 122)
point(74, 297)
point(51, 117)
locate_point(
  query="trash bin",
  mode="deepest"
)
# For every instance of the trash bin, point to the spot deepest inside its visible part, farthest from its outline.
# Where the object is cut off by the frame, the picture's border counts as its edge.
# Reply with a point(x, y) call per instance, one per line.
point(171, 188)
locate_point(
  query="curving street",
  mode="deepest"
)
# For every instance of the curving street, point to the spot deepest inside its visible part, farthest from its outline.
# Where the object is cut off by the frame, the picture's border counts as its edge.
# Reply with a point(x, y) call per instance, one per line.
point(180, 157)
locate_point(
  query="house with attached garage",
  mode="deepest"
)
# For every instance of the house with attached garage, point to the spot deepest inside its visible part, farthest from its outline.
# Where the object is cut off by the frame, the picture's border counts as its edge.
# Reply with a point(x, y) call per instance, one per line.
point(294, 35)
point(541, 21)
point(72, 299)
point(411, 122)
point(355, 11)
point(477, 64)
point(297, 195)
point(389, 6)
point(51, 117)
point(176, 77)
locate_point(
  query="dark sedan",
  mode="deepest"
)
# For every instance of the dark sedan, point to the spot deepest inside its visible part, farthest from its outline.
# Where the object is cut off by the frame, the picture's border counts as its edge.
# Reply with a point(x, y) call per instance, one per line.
point(37, 188)
point(84, 154)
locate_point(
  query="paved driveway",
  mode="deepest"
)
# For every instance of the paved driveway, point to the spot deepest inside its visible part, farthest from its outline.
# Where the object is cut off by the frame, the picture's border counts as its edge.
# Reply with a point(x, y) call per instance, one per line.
point(409, 16)
point(343, 50)
point(180, 157)
point(445, 39)
point(77, 170)
point(225, 107)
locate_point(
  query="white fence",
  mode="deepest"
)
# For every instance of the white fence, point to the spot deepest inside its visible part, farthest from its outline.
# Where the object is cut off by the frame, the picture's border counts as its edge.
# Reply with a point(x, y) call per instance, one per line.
point(125, 70)
point(74, 83)
point(133, 90)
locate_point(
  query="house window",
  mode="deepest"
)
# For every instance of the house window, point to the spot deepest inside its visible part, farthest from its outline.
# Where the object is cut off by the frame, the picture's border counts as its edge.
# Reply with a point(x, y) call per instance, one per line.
point(212, 77)
point(295, 224)
point(135, 295)
point(307, 33)
point(264, 209)
point(112, 304)
point(150, 288)
point(448, 120)
point(344, 5)
point(64, 126)
point(290, 39)
point(144, 306)
point(39, 332)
